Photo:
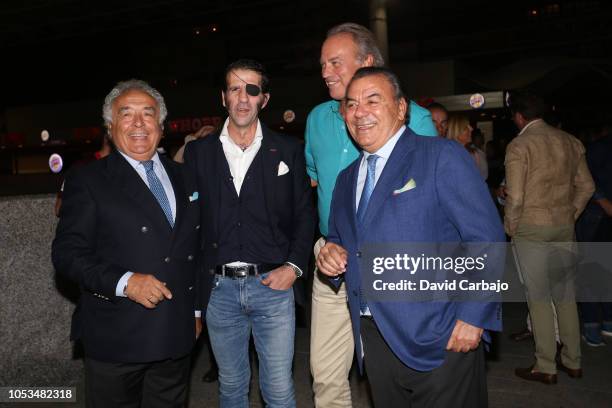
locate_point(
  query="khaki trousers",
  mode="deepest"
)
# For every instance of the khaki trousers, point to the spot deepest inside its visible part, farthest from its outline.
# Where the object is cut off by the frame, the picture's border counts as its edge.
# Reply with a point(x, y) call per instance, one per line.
point(331, 342)
point(546, 257)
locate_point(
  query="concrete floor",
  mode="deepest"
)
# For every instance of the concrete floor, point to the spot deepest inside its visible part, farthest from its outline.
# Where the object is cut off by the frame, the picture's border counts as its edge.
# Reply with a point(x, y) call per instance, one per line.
point(594, 390)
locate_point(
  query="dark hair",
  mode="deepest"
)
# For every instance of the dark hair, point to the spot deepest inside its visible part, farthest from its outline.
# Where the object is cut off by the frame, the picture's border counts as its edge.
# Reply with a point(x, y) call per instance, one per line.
point(528, 104)
point(439, 106)
point(386, 72)
point(249, 65)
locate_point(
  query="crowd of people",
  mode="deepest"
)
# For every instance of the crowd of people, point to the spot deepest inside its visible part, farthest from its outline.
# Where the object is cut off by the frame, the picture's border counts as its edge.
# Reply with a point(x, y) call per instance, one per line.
point(160, 248)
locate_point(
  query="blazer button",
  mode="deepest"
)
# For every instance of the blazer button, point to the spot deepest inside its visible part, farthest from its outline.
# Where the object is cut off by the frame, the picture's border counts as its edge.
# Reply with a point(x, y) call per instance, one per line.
point(354, 293)
point(144, 230)
point(190, 288)
point(198, 226)
point(211, 271)
point(190, 257)
point(167, 259)
point(358, 254)
point(214, 245)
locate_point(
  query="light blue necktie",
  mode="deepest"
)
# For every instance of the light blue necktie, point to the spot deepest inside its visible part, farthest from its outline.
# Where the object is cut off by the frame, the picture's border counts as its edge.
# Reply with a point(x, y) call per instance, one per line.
point(361, 209)
point(368, 187)
point(158, 190)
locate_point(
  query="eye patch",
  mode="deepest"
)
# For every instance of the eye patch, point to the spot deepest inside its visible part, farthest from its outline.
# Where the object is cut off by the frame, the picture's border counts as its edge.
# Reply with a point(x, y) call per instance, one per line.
point(252, 89)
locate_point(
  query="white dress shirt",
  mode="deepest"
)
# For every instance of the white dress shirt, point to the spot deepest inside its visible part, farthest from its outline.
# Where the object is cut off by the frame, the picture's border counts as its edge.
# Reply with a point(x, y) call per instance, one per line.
point(163, 177)
point(161, 174)
point(239, 160)
point(383, 156)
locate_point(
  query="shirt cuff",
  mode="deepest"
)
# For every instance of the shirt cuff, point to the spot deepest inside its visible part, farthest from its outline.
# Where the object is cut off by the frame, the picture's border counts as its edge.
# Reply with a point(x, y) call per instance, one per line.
point(198, 313)
point(122, 284)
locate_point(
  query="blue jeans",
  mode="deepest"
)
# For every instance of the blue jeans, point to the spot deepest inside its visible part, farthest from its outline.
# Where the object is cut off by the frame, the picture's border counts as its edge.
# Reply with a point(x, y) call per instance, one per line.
point(237, 307)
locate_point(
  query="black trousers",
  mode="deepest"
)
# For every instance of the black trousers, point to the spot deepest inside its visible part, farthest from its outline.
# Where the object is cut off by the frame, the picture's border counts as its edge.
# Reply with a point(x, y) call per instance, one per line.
point(161, 384)
point(459, 382)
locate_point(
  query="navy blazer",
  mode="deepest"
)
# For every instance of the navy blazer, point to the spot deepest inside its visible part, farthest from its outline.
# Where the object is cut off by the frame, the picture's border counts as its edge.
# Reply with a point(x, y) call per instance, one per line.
point(289, 204)
point(111, 223)
point(450, 203)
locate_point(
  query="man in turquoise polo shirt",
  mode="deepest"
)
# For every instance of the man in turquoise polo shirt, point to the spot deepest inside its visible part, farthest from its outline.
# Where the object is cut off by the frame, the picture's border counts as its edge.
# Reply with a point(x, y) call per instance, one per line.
point(330, 149)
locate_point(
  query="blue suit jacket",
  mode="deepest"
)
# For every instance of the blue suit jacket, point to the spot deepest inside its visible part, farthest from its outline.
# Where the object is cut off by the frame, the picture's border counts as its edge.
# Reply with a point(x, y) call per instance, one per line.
point(450, 203)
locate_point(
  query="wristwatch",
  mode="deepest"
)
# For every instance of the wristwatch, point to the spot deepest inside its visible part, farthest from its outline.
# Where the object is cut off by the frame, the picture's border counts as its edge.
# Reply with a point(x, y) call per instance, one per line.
point(296, 270)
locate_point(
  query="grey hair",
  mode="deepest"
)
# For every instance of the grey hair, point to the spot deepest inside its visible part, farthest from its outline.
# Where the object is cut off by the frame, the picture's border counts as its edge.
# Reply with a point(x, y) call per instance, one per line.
point(364, 39)
point(125, 86)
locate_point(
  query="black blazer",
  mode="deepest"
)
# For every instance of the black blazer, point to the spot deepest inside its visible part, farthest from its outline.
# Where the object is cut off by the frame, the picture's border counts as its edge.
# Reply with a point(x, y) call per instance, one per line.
point(111, 223)
point(288, 198)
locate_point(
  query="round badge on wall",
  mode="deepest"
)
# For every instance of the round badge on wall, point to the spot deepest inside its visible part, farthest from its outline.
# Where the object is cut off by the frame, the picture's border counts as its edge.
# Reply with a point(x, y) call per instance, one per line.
point(44, 135)
point(289, 116)
point(477, 101)
point(56, 163)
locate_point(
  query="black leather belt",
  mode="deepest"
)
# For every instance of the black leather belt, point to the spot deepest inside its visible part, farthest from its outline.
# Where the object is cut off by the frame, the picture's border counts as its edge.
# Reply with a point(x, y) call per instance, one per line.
point(244, 270)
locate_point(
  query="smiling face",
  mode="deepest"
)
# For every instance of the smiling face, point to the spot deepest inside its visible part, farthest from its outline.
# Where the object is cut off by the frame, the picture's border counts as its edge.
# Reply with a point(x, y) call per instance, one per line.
point(242, 108)
point(135, 129)
point(372, 113)
point(339, 61)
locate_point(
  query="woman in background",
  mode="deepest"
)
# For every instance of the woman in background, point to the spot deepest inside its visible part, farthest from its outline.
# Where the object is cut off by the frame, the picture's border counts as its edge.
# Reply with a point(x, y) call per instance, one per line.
point(460, 130)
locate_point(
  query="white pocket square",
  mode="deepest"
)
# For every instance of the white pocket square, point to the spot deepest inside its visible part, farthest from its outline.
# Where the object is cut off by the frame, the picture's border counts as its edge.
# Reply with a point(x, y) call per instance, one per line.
point(408, 186)
point(282, 168)
point(194, 196)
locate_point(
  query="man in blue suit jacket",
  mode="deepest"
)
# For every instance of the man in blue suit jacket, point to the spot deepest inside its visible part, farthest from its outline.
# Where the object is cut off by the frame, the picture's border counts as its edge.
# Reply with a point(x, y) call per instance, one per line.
point(417, 354)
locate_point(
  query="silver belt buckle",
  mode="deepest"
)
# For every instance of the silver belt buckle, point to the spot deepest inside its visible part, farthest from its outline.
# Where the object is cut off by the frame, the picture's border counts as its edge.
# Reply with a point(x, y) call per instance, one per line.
point(241, 271)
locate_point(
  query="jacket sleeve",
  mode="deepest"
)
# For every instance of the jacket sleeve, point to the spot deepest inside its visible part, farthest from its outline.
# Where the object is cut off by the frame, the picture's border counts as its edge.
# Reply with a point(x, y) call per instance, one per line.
point(303, 213)
point(465, 199)
point(516, 173)
point(74, 247)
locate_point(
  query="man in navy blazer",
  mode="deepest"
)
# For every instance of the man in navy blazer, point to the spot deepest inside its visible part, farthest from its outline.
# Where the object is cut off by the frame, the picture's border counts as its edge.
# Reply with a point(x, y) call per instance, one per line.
point(128, 236)
point(407, 189)
point(257, 207)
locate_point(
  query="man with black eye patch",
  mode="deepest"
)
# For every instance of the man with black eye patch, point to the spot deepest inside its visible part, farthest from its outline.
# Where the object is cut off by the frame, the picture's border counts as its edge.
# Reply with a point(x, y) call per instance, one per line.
point(258, 225)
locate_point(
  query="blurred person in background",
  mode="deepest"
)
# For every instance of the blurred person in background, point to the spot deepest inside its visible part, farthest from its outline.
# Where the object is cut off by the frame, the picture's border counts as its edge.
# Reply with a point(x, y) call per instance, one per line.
point(595, 225)
point(439, 116)
point(460, 130)
point(548, 186)
point(202, 132)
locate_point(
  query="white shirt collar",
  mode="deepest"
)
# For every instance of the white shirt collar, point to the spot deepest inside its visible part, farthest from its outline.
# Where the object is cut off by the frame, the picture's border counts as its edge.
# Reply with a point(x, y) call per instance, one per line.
point(134, 163)
point(225, 137)
point(388, 147)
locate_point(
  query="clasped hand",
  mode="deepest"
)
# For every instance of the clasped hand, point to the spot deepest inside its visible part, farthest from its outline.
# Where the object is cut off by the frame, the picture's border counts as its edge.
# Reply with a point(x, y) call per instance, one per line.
point(147, 290)
point(332, 260)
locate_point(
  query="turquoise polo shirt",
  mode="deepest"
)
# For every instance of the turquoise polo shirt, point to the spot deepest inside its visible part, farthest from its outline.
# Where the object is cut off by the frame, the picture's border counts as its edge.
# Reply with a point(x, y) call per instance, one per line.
point(330, 149)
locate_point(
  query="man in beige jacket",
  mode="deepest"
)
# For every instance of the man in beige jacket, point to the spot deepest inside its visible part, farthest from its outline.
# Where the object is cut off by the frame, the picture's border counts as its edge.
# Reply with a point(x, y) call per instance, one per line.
point(548, 186)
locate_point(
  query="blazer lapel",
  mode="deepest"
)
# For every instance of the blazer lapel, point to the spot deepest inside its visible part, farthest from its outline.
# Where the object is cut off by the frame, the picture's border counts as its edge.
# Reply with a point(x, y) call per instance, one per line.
point(219, 173)
point(270, 158)
point(130, 183)
point(180, 195)
point(388, 180)
point(353, 176)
